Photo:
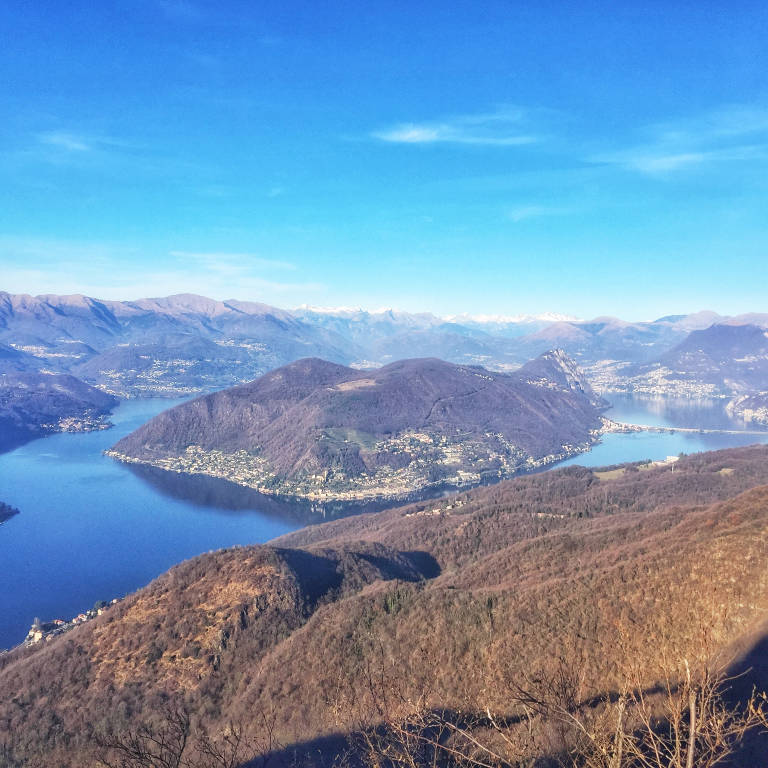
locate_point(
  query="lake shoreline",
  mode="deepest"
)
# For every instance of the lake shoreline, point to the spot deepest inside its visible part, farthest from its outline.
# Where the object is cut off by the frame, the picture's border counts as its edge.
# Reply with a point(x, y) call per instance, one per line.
point(91, 526)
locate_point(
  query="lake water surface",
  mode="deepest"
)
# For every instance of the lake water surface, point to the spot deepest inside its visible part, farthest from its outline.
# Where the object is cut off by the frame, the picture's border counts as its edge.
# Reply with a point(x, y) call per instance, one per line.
point(665, 412)
point(93, 529)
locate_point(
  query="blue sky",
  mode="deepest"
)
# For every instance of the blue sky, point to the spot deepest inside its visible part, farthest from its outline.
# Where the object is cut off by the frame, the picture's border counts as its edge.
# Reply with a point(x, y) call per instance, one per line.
point(497, 158)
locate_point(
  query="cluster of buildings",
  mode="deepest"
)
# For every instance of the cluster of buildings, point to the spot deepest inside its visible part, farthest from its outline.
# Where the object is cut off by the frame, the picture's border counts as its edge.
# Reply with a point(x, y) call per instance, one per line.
point(45, 631)
point(429, 460)
point(86, 423)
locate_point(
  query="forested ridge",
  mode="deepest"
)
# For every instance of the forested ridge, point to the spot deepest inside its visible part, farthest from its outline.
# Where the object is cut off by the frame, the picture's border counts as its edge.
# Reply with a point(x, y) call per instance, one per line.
point(460, 605)
point(315, 429)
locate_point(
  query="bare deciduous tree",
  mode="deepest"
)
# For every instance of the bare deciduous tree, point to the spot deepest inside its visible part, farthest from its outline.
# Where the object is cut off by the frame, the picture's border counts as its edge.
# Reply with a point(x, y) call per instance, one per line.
point(149, 745)
point(683, 721)
point(171, 741)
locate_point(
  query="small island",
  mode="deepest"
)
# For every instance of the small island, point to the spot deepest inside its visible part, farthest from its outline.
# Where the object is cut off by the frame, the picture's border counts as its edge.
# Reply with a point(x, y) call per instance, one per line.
point(7, 512)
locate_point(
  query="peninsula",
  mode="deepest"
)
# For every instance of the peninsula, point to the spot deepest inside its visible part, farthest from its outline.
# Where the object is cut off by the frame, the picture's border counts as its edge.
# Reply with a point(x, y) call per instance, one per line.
point(321, 431)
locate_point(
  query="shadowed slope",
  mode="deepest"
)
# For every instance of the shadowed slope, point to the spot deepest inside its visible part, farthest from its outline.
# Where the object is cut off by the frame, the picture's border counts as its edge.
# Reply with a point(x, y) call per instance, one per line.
point(37, 404)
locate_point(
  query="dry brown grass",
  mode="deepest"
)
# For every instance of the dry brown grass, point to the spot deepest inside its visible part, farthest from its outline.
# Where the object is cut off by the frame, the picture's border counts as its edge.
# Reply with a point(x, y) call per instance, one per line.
point(610, 474)
point(218, 604)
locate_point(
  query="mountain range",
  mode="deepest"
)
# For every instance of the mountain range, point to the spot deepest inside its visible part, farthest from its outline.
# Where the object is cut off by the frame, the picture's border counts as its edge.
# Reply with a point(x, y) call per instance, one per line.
point(188, 344)
point(319, 430)
point(720, 360)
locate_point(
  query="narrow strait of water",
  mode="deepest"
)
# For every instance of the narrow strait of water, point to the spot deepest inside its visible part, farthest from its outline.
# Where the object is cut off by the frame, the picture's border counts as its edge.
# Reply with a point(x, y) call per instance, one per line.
point(93, 529)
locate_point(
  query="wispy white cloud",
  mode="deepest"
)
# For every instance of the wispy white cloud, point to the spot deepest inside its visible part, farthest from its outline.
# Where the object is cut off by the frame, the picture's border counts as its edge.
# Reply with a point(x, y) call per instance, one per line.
point(51, 252)
point(731, 133)
point(664, 163)
point(651, 160)
point(124, 158)
point(503, 128)
point(657, 160)
point(63, 145)
point(231, 263)
point(68, 142)
point(725, 122)
point(523, 212)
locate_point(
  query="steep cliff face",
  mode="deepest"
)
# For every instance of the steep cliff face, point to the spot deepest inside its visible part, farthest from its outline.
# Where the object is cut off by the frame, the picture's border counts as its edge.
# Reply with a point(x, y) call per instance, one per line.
point(317, 428)
point(557, 370)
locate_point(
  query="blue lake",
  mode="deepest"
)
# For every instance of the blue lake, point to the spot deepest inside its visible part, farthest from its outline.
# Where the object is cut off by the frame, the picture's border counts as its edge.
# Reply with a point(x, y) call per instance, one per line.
point(664, 412)
point(92, 529)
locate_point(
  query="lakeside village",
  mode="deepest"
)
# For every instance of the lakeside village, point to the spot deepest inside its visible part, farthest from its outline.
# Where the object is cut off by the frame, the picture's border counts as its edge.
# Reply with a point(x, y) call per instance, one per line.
point(44, 631)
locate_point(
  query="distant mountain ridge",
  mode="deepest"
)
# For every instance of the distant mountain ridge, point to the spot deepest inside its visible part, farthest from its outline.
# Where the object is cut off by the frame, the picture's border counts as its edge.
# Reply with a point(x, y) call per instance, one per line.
point(188, 344)
point(721, 360)
point(184, 343)
point(320, 430)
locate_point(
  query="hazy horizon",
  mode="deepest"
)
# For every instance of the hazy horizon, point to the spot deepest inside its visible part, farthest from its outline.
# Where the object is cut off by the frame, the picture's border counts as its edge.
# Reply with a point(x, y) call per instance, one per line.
point(545, 315)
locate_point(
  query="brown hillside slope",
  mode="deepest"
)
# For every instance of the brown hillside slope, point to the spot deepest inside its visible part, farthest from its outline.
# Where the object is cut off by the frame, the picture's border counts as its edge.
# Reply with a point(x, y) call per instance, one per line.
point(656, 559)
point(464, 526)
point(176, 636)
point(562, 595)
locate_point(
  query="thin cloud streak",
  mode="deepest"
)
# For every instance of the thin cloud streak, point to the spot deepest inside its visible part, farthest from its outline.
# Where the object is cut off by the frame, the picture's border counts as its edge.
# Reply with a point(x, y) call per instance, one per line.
point(66, 141)
point(62, 146)
point(654, 161)
point(500, 128)
point(109, 271)
point(125, 286)
point(715, 137)
point(727, 121)
point(646, 161)
point(525, 212)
